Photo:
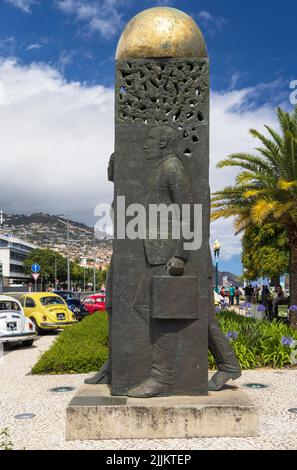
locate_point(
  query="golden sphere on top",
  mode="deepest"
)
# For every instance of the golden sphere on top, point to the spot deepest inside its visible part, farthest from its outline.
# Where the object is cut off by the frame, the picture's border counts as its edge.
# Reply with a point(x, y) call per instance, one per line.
point(161, 32)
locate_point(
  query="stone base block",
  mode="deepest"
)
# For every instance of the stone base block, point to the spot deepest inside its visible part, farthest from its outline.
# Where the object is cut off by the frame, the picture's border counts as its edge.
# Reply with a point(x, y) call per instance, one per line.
point(94, 414)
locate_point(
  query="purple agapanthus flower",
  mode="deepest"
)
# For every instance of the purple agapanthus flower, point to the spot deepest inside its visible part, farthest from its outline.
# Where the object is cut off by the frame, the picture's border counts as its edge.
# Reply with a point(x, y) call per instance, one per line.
point(247, 305)
point(293, 308)
point(287, 341)
point(232, 335)
point(261, 308)
point(218, 309)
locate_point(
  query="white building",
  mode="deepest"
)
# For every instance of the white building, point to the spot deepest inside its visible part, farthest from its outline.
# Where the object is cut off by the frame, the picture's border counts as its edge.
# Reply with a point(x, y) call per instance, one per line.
point(13, 252)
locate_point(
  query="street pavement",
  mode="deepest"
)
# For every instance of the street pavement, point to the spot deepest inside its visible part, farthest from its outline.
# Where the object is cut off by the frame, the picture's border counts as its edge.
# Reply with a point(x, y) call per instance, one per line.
point(21, 392)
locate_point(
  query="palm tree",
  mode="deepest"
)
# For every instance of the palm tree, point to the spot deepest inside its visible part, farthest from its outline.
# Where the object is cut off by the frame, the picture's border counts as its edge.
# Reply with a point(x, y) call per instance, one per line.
point(266, 189)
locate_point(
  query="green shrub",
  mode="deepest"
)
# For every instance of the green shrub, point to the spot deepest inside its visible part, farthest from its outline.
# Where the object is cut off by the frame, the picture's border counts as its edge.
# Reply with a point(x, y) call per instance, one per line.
point(80, 348)
point(258, 343)
point(84, 347)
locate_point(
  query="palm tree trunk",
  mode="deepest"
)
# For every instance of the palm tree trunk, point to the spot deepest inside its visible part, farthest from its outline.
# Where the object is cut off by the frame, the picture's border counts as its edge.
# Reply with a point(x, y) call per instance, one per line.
point(275, 281)
point(293, 282)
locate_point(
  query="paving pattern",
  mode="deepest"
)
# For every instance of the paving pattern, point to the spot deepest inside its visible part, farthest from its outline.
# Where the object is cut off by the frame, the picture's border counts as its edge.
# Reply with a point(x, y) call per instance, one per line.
point(21, 392)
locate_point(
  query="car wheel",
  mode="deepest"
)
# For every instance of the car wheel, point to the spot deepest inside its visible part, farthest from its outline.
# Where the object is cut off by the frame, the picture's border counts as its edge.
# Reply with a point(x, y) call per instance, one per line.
point(28, 343)
point(38, 330)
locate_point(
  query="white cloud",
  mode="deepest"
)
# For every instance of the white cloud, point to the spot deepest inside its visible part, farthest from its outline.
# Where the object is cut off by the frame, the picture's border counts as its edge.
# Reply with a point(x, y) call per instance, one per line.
point(56, 138)
point(24, 5)
point(99, 16)
point(230, 123)
point(212, 24)
point(8, 46)
point(33, 47)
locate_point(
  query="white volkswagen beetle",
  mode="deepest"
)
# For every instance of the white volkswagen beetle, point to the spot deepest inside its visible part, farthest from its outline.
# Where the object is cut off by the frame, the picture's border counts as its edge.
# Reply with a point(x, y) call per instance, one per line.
point(14, 325)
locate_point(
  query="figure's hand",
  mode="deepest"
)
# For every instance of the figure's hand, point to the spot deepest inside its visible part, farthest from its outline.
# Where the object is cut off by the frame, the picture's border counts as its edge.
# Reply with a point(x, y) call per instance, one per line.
point(175, 266)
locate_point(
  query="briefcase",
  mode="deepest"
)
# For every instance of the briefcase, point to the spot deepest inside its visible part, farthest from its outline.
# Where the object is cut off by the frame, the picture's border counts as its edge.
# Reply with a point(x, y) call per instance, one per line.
point(175, 298)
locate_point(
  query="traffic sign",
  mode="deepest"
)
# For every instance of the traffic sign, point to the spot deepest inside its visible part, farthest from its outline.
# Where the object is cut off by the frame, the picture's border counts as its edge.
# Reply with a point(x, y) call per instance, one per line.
point(35, 268)
point(35, 276)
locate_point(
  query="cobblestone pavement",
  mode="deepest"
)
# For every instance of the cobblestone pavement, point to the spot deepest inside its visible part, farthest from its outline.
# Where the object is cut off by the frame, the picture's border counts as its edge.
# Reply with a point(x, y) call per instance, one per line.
point(21, 392)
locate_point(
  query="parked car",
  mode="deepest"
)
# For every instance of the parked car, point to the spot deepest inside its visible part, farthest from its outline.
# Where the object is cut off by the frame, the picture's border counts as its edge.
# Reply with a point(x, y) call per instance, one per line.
point(94, 303)
point(47, 311)
point(73, 303)
point(14, 326)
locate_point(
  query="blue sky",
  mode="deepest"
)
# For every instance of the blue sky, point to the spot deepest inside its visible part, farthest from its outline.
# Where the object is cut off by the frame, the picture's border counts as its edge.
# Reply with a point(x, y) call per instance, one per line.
point(249, 42)
point(57, 75)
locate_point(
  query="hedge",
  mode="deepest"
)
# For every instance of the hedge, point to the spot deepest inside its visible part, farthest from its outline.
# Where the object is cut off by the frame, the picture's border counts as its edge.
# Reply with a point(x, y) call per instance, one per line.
point(84, 347)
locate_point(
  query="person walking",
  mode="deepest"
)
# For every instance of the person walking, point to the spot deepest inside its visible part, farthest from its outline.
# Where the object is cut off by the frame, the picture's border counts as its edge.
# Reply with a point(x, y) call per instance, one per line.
point(257, 294)
point(237, 295)
point(280, 296)
point(266, 301)
point(222, 292)
point(231, 295)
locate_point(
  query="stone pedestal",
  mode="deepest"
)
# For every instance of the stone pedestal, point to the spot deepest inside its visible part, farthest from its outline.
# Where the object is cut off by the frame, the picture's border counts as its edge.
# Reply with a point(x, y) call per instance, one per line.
point(94, 414)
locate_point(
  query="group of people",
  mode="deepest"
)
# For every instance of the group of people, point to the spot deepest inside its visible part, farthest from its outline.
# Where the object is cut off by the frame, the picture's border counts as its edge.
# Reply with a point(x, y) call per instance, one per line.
point(271, 302)
point(234, 294)
point(255, 295)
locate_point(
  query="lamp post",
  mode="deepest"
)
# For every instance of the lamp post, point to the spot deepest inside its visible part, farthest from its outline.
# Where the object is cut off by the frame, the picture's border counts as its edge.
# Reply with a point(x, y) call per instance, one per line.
point(216, 249)
point(94, 271)
point(68, 254)
point(68, 258)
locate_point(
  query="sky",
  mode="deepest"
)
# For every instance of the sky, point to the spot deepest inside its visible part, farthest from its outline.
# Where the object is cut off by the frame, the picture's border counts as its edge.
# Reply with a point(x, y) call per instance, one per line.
point(57, 98)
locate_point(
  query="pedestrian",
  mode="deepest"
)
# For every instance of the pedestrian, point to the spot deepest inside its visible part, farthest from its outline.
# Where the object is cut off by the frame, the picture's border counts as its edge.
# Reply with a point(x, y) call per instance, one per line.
point(248, 291)
point(231, 295)
point(222, 292)
point(257, 294)
point(238, 293)
point(280, 296)
point(267, 302)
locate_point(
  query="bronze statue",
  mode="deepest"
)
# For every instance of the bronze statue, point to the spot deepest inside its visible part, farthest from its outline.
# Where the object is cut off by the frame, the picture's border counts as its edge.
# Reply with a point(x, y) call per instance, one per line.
point(160, 293)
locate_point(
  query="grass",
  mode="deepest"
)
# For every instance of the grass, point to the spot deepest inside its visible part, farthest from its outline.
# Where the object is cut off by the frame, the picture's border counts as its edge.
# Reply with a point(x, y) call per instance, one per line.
point(83, 347)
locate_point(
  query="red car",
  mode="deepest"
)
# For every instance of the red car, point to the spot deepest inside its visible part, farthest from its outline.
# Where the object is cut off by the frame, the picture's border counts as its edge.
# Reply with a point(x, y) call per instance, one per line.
point(94, 303)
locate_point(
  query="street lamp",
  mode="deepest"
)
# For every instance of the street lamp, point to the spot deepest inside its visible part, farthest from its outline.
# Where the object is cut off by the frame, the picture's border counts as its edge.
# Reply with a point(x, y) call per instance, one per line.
point(94, 271)
point(68, 255)
point(216, 249)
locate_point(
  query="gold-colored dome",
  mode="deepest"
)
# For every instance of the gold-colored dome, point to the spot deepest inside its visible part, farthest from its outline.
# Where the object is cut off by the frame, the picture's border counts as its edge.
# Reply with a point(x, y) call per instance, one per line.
point(161, 32)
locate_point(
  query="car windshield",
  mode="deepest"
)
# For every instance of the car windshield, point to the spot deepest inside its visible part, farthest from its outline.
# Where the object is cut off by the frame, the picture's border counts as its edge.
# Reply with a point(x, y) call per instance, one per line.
point(9, 305)
point(67, 295)
point(51, 301)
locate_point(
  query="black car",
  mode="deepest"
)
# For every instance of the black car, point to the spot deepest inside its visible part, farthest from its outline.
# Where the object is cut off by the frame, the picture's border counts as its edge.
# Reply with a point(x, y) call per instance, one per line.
point(73, 303)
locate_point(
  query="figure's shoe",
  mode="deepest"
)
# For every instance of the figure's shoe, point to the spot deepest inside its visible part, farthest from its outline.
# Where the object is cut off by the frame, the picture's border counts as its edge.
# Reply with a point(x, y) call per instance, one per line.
point(148, 389)
point(220, 378)
point(101, 377)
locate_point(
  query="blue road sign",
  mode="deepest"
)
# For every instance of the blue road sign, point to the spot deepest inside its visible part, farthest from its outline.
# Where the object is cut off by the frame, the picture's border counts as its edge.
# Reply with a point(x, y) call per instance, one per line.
point(35, 268)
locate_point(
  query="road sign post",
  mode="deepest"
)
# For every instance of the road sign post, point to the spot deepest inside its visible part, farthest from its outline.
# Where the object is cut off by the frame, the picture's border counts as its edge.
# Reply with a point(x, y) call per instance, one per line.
point(35, 277)
point(35, 268)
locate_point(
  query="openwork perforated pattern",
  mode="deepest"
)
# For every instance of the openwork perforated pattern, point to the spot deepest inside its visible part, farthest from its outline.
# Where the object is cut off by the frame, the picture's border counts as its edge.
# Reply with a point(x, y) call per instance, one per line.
point(163, 91)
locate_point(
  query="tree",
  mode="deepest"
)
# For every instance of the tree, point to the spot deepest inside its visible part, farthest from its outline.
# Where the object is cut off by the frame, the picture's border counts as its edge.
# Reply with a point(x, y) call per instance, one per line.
point(47, 258)
point(265, 251)
point(266, 189)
